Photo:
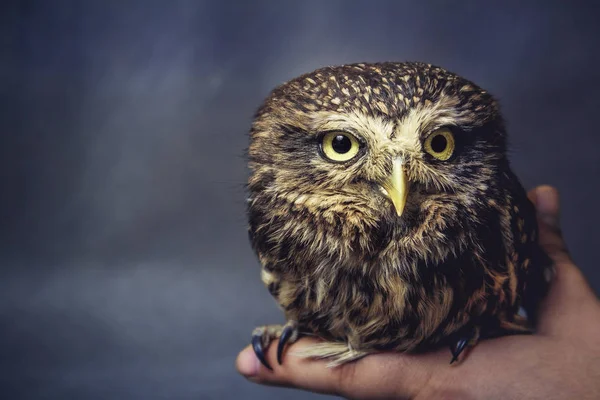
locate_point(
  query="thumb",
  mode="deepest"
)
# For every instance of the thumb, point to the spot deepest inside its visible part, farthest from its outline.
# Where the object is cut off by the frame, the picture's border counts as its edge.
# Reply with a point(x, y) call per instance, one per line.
point(547, 204)
point(569, 290)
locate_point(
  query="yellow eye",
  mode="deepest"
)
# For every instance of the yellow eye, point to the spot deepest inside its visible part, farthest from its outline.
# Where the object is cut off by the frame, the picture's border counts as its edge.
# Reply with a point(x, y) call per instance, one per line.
point(440, 144)
point(340, 146)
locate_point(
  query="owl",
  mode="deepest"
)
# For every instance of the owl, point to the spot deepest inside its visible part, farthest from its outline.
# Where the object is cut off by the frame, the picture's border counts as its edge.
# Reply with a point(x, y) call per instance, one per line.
point(385, 214)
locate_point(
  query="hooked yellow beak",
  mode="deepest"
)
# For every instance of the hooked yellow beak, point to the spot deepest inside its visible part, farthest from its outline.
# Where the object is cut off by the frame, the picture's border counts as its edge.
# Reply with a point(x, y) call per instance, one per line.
point(396, 187)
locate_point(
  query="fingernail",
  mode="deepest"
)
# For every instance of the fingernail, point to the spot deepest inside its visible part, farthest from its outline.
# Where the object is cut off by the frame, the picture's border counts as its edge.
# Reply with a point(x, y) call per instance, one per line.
point(545, 201)
point(247, 363)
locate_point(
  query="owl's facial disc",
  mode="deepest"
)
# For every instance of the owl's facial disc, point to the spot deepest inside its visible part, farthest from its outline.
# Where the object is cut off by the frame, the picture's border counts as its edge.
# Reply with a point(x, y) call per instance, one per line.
point(396, 186)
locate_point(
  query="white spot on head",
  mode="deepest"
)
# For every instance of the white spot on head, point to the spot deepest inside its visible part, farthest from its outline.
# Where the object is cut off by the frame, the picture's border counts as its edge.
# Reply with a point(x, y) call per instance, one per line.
point(369, 127)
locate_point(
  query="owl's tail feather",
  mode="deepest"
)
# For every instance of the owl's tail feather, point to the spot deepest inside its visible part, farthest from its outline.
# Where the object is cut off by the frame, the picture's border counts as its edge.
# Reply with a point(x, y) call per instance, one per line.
point(336, 353)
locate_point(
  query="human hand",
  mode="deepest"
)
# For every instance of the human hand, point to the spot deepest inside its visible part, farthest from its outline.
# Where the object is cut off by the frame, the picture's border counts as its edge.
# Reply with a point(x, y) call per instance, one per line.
point(560, 361)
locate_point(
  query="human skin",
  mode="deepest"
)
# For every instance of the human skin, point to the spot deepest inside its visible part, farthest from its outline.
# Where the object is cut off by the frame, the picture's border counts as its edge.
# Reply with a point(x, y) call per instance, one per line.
point(560, 361)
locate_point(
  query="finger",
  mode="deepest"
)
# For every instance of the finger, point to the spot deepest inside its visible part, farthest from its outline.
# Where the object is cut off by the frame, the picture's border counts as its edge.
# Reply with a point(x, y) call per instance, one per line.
point(569, 291)
point(375, 376)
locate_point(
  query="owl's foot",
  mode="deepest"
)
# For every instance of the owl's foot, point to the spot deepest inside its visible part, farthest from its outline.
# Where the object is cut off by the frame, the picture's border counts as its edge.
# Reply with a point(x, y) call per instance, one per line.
point(518, 326)
point(336, 353)
point(263, 335)
point(468, 337)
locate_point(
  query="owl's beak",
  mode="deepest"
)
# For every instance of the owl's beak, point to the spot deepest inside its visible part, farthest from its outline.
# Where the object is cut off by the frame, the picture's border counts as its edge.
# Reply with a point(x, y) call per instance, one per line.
point(396, 187)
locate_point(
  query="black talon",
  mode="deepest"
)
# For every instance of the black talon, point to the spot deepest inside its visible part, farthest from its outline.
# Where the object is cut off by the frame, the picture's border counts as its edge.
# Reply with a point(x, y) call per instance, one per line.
point(258, 350)
point(464, 337)
point(285, 336)
point(460, 346)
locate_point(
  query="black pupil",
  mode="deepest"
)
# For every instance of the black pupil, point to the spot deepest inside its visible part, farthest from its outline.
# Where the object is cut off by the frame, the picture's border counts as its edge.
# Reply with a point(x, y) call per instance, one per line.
point(439, 143)
point(341, 144)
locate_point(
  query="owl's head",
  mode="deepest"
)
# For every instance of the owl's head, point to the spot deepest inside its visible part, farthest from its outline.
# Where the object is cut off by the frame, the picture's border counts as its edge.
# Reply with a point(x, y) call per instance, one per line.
point(372, 158)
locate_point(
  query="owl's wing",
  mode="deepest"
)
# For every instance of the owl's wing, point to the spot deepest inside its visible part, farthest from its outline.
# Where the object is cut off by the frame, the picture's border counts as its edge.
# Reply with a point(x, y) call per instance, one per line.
point(530, 261)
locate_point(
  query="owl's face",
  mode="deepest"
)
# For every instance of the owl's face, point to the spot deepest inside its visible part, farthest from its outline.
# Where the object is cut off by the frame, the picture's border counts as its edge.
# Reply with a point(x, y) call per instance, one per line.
point(374, 159)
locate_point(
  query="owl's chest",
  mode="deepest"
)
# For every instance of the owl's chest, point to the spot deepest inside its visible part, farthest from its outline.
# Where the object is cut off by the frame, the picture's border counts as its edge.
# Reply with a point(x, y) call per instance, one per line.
point(397, 311)
point(405, 301)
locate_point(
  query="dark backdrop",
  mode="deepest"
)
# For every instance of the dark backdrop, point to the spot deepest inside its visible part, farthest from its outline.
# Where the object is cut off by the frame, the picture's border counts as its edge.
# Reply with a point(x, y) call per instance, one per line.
point(126, 271)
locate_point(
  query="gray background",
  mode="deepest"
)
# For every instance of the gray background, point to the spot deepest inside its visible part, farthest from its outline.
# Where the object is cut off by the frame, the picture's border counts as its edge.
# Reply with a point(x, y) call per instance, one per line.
point(126, 271)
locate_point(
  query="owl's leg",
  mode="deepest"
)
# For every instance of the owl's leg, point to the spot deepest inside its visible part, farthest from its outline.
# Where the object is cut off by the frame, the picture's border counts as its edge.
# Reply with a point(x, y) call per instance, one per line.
point(469, 336)
point(337, 353)
point(263, 335)
point(518, 326)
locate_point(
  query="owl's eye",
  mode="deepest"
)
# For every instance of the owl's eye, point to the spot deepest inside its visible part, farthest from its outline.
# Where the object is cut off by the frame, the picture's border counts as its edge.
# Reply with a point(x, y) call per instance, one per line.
point(440, 144)
point(339, 146)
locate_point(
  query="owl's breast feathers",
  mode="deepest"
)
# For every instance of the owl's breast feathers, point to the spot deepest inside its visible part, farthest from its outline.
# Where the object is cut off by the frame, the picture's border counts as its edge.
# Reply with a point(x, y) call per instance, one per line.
point(399, 301)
